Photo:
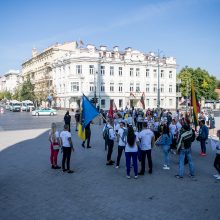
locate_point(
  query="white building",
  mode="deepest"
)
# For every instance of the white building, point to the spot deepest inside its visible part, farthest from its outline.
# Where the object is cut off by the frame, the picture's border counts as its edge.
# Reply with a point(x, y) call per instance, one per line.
point(122, 76)
point(10, 81)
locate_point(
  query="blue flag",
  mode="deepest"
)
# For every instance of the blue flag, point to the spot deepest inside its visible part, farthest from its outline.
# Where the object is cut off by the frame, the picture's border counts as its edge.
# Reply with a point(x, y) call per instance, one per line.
point(89, 111)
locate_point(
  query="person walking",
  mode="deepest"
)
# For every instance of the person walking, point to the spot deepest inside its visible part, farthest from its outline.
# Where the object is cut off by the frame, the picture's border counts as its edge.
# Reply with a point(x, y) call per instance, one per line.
point(67, 147)
point(131, 151)
point(122, 135)
point(165, 141)
point(77, 118)
point(110, 142)
point(184, 147)
point(147, 140)
point(67, 119)
point(54, 146)
point(203, 136)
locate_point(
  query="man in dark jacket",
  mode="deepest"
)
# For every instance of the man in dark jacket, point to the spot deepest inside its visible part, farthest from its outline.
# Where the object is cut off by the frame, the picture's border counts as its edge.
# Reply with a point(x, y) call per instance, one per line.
point(88, 135)
point(67, 119)
point(77, 118)
point(203, 136)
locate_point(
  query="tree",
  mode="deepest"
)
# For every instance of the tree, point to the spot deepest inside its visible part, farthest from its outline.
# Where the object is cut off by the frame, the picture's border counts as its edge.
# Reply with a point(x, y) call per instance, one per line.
point(27, 90)
point(218, 84)
point(7, 95)
point(204, 83)
point(16, 95)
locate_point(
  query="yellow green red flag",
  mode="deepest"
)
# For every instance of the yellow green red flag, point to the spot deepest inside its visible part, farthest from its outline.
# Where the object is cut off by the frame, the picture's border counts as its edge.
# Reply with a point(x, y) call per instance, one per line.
point(195, 105)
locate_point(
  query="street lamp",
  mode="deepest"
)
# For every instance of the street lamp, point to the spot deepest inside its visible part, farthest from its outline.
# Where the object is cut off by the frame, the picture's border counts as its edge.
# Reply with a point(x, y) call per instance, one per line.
point(158, 80)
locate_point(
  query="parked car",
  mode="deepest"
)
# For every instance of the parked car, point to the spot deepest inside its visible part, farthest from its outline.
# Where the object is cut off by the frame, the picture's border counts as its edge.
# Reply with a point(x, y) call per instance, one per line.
point(44, 111)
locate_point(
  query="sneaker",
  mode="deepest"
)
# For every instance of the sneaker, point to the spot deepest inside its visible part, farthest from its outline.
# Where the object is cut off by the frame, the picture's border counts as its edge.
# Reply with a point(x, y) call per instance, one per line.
point(53, 167)
point(109, 163)
point(89, 147)
point(178, 176)
point(203, 154)
point(70, 171)
point(165, 167)
point(191, 176)
point(117, 167)
point(216, 175)
point(135, 177)
point(83, 145)
point(57, 167)
point(64, 170)
point(129, 177)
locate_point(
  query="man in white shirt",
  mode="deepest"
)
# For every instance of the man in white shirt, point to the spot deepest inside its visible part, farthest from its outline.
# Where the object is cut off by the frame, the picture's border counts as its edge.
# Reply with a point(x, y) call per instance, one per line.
point(122, 133)
point(110, 142)
point(67, 147)
point(147, 140)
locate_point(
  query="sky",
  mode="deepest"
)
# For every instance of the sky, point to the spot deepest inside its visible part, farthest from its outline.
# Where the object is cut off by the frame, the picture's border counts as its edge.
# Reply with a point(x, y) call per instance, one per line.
point(188, 30)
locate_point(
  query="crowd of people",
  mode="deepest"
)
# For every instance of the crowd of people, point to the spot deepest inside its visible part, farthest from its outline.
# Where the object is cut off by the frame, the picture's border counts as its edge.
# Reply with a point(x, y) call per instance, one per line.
point(136, 133)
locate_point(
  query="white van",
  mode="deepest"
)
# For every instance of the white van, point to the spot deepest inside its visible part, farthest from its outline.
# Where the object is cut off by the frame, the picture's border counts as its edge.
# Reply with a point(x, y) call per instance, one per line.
point(27, 105)
point(15, 106)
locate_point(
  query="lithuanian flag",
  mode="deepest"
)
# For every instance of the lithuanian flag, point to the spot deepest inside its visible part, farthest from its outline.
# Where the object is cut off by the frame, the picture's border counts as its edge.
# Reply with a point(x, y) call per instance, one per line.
point(195, 105)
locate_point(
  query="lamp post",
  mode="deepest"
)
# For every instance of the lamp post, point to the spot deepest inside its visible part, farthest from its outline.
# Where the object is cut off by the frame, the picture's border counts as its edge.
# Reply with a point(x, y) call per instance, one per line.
point(158, 81)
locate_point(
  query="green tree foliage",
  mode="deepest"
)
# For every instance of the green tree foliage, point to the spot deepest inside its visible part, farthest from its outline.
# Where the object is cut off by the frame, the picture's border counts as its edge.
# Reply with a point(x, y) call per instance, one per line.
point(7, 95)
point(27, 91)
point(218, 84)
point(2, 95)
point(204, 83)
point(16, 94)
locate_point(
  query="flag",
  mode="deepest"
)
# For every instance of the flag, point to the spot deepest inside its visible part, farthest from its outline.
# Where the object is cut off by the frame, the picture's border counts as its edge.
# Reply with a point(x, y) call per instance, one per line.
point(110, 111)
point(81, 132)
point(195, 105)
point(142, 100)
point(89, 111)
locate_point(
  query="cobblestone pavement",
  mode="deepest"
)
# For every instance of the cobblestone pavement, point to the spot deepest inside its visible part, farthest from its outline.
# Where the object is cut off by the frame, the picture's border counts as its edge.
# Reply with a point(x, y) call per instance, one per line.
point(29, 189)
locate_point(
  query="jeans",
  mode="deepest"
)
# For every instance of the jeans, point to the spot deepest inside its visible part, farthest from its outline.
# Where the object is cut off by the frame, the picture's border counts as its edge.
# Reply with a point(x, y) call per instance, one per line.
point(110, 149)
point(120, 150)
point(128, 156)
point(143, 158)
point(185, 153)
point(203, 146)
point(66, 157)
point(166, 149)
point(217, 163)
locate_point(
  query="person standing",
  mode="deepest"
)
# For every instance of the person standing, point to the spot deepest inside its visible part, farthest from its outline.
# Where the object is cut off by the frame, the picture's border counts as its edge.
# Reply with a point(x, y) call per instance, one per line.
point(217, 157)
point(88, 135)
point(122, 135)
point(131, 151)
point(174, 133)
point(67, 119)
point(147, 140)
point(54, 146)
point(110, 142)
point(165, 140)
point(184, 147)
point(77, 118)
point(67, 147)
point(203, 136)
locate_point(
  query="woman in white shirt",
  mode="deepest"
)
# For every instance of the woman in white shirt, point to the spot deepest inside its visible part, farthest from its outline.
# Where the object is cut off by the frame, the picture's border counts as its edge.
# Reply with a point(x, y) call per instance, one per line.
point(131, 151)
point(54, 146)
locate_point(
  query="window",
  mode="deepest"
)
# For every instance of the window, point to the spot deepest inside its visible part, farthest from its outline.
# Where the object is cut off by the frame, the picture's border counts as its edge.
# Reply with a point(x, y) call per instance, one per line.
point(170, 89)
point(147, 102)
point(162, 73)
point(120, 71)
point(137, 72)
point(74, 86)
point(147, 73)
point(102, 103)
point(91, 69)
point(170, 102)
point(120, 103)
point(78, 69)
point(111, 87)
point(120, 85)
point(102, 70)
point(137, 87)
point(103, 87)
point(155, 88)
point(147, 87)
point(131, 87)
point(91, 87)
point(155, 102)
point(170, 74)
point(162, 88)
point(111, 70)
point(131, 71)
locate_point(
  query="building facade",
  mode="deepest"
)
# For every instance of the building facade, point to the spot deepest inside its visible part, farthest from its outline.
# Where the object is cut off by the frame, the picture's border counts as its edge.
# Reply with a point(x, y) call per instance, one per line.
point(10, 81)
point(121, 76)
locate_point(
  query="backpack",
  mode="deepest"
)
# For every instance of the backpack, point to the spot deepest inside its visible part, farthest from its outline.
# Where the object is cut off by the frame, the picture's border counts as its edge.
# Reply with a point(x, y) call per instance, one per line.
point(105, 134)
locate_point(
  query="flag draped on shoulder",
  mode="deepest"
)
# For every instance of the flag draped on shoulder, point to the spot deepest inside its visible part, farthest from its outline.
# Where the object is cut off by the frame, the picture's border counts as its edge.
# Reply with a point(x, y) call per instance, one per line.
point(195, 105)
point(89, 111)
